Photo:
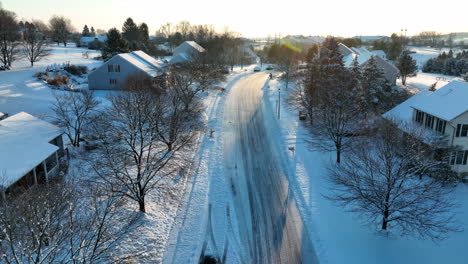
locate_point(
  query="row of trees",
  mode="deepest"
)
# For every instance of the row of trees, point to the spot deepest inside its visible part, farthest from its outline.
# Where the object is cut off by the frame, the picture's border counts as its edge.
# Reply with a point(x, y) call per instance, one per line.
point(447, 63)
point(384, 173)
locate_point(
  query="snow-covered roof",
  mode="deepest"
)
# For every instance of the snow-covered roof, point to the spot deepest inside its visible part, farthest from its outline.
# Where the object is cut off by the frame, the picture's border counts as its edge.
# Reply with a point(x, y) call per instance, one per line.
point(180, 58)
point(100, 38)
point(24, 144)
point(380, 53)
point(447, 103)
point(143, 61)
point(195, 46)
point(404, 111)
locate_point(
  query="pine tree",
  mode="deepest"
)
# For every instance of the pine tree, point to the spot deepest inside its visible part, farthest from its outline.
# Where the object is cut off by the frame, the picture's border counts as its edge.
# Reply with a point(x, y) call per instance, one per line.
point(114, 44)
point(131, 33)
point(375, 87)
point(85, 32)
point(93, 32)
point(406, 65)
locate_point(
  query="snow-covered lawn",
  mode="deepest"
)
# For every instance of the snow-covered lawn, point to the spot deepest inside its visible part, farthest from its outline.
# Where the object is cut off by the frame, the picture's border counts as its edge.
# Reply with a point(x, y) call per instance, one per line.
point(339, 236)
point(21, 91)
point(424, 80)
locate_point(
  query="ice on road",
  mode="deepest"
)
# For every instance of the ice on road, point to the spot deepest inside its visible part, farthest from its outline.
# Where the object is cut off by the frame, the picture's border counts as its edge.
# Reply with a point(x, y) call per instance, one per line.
point(271, 229)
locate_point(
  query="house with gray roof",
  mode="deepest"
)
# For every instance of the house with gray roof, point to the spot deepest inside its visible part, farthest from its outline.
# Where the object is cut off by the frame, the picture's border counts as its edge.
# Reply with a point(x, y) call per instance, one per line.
point(363, 56)
point(113, 74)
point(186, 52)
point(444, 113)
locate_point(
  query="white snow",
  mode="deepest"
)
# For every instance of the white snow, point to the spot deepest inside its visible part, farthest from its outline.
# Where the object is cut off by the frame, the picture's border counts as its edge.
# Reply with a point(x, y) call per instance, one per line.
point(404, 111)
point(21, 91)
point(24, 140)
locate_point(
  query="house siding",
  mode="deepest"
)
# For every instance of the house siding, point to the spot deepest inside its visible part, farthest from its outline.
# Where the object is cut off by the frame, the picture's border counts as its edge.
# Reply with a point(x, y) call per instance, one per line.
point(100, 78)
point(453, 140)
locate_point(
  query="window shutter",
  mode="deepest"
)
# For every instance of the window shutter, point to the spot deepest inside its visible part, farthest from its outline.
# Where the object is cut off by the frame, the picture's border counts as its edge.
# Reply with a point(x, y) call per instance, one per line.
point(465, 158)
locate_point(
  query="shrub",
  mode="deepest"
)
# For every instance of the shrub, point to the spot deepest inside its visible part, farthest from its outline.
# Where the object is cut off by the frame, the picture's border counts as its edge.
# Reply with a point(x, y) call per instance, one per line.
point(76, 69)
point(58, 80)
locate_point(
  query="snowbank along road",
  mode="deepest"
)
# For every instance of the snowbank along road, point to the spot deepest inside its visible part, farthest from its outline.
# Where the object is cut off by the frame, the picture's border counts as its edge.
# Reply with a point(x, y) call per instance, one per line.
point(271, 229)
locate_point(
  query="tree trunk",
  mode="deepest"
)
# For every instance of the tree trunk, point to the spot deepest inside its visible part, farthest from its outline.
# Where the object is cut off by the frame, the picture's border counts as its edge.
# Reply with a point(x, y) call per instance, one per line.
point(338, 154)
point(385, 220)
point(403, 79)
point(141, 204)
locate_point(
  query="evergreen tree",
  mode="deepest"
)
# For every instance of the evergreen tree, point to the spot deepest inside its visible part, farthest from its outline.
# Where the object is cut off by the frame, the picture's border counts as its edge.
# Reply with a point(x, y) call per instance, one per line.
point(131, 33)
point(375, 87)
point(114, 44)
point(85, 32)
point(406, 65)
point(93, 32)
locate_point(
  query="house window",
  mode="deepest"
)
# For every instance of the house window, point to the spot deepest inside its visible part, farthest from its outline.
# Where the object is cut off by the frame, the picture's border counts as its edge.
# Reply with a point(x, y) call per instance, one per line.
point(110, 68)
point(459, 158)
point(419, 116)
point(113, 81)
point(440, 125)
point(117, 68)
point(429, 121)
point(462, 130)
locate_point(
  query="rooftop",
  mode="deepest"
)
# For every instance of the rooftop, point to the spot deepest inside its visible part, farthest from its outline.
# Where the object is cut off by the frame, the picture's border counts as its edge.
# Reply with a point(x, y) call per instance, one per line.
point(24, 141)
point(447, 103)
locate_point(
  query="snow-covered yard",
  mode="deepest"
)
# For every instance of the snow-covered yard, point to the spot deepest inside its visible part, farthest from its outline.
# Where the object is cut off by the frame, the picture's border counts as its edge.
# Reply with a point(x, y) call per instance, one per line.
point(339, 236)
point(21, 91)
point(424, 80)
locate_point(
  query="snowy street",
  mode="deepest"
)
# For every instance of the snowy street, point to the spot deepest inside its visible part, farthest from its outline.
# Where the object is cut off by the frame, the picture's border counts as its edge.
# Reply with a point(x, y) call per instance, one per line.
point(270, 226)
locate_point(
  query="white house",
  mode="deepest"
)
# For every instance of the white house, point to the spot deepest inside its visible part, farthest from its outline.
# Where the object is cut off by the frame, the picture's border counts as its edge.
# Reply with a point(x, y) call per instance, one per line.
point(29, 151)
point(113, 73)
point(85, 41)
point(186, 52)
point(363, 56)
point(443, 112)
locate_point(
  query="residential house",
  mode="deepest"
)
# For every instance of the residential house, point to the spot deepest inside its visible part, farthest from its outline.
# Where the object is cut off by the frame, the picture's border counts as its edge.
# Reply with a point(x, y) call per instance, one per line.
point(444, 112)
point(113, 74)
point(30, 149)
point(186, 52)
point(363, 56)
point(85, 41)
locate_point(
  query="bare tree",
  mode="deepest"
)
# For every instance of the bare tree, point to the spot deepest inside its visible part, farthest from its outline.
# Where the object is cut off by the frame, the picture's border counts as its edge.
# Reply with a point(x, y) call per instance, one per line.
point(74, 111)
point(61, 28)
point(380, 180)
point(57, 223)
point(34, 44)
point(331, 99)
point(142, 141)
point(9, 37)
point(188, 81)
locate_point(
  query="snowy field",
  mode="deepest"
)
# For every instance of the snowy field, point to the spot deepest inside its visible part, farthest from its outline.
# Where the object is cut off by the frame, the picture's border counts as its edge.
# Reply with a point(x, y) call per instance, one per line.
point(424, 80)
point(339, 236)
point(21, 91)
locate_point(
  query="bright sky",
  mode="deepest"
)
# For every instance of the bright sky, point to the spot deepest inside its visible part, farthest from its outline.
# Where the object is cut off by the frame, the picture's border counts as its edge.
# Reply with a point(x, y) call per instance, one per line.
point(255, 18)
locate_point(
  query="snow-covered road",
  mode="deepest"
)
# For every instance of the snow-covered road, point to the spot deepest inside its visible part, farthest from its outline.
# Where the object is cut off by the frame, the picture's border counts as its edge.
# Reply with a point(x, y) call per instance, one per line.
point(271, 229)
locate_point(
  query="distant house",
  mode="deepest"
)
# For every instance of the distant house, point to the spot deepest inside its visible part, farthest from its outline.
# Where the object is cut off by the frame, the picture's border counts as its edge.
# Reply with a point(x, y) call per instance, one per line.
point(85, 41)
point(369, 38)
point(363, 55)
point(30, 149)
point(443, 112)
point(114, 72)
point(186, 52)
